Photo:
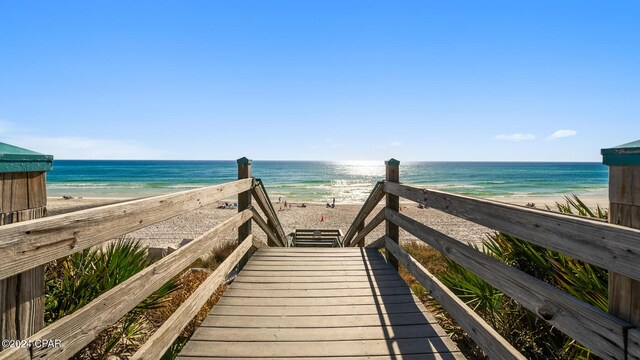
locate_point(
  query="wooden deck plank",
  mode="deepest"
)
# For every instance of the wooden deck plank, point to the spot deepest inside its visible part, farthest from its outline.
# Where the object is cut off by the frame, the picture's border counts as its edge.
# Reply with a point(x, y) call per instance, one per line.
point(317, 334)
point(241, 322)
point(339, 254)
point(294, 262)
point(322, 285)
point(344, 300)
point(315, 293)
point(300, 273)
point(321, 348)
point(308, 258)
point(314, 279)
point(442, 356)
point(312, 310)
point(316, 304)
point(319, 267)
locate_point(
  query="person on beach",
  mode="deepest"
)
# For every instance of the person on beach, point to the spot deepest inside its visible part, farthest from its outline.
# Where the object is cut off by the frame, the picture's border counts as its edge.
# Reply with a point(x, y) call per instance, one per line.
point(334, 203)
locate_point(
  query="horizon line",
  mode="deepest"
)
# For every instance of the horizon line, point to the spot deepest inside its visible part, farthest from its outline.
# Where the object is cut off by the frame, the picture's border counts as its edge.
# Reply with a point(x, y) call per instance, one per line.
point(351, 160)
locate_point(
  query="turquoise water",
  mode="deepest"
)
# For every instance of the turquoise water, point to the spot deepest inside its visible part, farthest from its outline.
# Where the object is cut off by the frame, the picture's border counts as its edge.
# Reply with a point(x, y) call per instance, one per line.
point(323, 180)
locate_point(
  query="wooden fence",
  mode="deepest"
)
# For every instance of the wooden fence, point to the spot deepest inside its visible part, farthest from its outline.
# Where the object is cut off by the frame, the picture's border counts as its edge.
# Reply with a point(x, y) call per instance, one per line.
point(33, 243)
point(612, 247)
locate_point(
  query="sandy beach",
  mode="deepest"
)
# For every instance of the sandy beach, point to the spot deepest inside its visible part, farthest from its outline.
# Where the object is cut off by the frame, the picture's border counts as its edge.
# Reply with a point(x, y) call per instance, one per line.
point(314, 216)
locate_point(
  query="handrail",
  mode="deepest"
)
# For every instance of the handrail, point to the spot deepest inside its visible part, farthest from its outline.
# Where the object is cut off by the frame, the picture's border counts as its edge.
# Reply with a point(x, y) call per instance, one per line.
point(372, 201)
point(79, 328)
point(265, 227)
point(31, 243)
point(601, 332)
point(609, 246)
point(162, 338)
point(370, 226)
point(262, 197)
point(482, 333)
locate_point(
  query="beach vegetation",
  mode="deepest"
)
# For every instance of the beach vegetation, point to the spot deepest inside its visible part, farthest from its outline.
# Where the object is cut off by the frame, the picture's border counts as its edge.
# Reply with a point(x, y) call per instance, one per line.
point(76, 280)
point(532, 336)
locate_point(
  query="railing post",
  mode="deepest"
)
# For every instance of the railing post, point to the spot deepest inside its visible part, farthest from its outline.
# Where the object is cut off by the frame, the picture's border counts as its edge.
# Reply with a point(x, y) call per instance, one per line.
point(624, 209)
point(23, 197)
point(244, 198)
point(393, 203)
point(359, 228)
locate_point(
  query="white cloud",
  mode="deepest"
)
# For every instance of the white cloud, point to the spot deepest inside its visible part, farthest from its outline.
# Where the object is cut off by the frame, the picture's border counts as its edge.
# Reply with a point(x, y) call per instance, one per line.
point(68, 147)
point(562, 134)
point(395, 143)
point(516, 137)
point(77, 147)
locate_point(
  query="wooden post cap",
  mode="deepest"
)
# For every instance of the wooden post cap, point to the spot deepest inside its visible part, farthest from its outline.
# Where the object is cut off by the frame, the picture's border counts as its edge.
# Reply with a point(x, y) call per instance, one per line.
point(392, 162)
point(244, 161)
point(626, 154)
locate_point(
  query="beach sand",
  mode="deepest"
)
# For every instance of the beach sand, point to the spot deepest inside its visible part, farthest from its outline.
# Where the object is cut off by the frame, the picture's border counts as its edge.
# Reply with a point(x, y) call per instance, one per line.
point(188, 226)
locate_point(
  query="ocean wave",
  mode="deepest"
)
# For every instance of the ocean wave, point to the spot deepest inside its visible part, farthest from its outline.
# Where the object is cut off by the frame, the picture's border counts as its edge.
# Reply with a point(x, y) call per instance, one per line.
point(63, 186)
point(86, 186)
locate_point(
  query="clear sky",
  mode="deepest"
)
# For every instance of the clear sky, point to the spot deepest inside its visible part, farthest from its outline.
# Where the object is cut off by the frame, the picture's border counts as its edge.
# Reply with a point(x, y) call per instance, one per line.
point(334, 80)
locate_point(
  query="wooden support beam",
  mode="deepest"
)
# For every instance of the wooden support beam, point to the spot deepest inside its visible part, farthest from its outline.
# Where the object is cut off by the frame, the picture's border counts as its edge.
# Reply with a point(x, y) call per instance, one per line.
point(359, 229)
point(378, 243)
point(244, 198)
point(263, 225)
point(370, 226)
point(367, 208)
point(633, 352)
point(263, 202)
point(23, 197)
point(624, 210)
point(393, 203)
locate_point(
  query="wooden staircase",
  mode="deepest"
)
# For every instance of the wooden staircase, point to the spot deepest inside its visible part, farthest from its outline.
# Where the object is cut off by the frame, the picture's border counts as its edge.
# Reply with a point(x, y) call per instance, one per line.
point(317, 238)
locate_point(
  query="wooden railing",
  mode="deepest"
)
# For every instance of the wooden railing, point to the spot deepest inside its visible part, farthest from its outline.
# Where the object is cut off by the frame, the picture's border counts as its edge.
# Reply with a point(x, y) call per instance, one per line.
point(615, 248)
point(357, 227)
point(36, 242)
point(260, 194)
point(33, 243)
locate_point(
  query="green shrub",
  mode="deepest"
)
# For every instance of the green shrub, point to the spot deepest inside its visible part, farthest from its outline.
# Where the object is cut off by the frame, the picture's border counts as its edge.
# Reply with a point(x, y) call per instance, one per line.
point(76, 280)
point(535, 338)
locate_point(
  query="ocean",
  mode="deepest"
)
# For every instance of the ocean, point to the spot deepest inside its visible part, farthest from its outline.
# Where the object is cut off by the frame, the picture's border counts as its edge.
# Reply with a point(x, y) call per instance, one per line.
point(321, 181)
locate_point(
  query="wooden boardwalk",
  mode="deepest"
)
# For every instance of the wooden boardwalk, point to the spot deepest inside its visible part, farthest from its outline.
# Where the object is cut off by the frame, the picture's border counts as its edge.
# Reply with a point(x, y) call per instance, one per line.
point(319, 303)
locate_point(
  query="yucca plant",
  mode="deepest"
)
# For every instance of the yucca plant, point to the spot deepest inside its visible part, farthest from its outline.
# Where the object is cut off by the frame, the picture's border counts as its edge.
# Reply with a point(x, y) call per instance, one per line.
point(531, 335)
point(76, 280)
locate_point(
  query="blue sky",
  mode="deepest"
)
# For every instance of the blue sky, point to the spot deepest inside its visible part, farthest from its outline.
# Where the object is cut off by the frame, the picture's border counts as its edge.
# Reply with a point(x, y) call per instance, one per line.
point(333, 80)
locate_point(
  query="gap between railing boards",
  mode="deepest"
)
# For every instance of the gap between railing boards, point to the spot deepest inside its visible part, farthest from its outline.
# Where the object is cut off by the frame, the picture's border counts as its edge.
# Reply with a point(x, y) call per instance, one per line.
point(377, 193)
point(264, 202)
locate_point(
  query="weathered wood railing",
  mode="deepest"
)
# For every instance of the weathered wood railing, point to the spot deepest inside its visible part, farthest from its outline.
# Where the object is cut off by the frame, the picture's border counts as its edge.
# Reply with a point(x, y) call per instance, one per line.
point(615, 248)
point(33, 243)
point(357, 226)
point(260, 194)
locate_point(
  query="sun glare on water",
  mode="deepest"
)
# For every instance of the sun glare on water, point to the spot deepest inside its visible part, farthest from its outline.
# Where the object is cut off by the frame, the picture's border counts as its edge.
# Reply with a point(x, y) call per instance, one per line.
point(362, 168)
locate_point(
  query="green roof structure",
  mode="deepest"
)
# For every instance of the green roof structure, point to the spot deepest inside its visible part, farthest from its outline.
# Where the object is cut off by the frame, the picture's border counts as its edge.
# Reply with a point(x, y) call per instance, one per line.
point(626, 154)
point(17, 159)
